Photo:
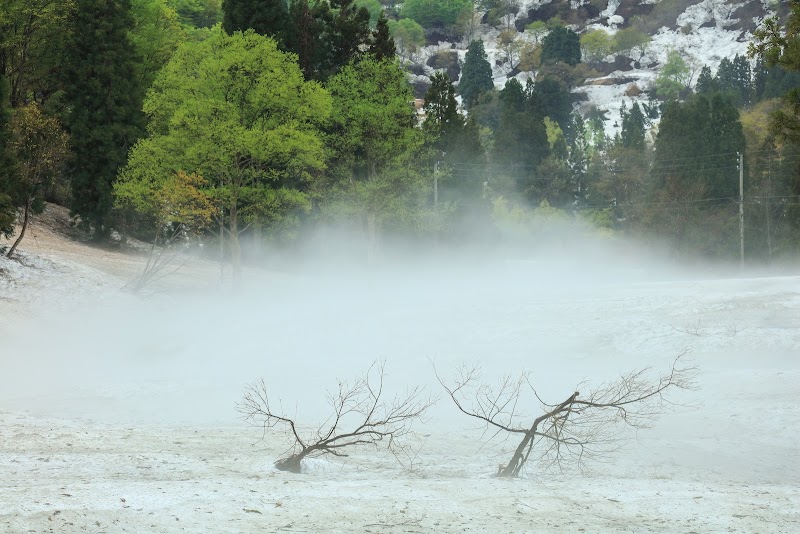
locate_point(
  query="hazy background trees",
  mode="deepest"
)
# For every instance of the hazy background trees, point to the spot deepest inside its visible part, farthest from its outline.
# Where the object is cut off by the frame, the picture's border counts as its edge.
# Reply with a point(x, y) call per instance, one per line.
point(371, 161)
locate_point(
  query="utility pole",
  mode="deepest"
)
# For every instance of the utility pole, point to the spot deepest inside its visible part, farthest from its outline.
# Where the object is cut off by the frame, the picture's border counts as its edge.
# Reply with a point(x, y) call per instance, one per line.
point(741, 210)
point(436, 204)
point(436, 185)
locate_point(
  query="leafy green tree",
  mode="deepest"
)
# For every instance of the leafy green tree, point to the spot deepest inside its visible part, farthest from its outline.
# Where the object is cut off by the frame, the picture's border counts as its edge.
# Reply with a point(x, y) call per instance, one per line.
point(39, 149)
point(156, 34)
point(476, 76)
point(561, 45)
point(104, 101)
point(435, 13)
point(265, 17)
point(197, 13)
point(373, 136)
point(631, 42)
point(382, 46)
point(32, 45)
point(596, 45)
point(538, 29)
point(674, 76)
point(408, 36)
point(375, 11)
point(236, 111)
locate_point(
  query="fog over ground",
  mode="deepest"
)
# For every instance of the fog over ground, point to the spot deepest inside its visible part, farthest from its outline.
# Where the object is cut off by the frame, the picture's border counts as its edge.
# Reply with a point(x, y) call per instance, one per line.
point(583, 311)
point(117, 411)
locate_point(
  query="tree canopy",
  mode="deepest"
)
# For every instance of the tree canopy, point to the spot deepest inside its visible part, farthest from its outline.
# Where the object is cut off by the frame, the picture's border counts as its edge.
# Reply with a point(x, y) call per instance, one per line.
point(236, 111)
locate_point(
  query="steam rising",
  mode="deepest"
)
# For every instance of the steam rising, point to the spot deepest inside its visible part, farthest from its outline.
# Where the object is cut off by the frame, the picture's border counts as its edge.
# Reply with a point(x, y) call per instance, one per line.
point(589, 309)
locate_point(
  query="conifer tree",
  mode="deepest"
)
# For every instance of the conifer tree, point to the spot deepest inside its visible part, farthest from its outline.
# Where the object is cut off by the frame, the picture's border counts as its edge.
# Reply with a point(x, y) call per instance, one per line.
point(476, 76)
point(633, 128)
point(265, 17)
point(706, 83)
point(382, 46)
point(521, 138)
point(104, 114)
point(561, 44)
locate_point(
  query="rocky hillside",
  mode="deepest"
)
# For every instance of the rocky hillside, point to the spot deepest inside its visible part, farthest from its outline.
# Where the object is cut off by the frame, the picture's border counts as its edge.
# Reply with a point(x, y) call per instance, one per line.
point(702, 31)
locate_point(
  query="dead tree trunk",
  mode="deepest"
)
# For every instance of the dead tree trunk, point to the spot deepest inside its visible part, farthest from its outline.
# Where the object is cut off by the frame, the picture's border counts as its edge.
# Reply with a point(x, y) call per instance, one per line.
point(360, 416)
point(578, 428)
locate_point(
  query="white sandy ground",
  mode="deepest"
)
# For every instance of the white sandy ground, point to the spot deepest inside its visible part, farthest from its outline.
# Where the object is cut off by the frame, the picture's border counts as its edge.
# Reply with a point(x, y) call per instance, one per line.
point(117, 412)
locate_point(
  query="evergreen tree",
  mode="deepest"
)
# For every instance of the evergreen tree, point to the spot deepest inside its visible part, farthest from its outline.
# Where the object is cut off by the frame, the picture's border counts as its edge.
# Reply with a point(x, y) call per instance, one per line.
point(443, 119)
point(521, 139)
point(633, 128)
point(476, 76)
point(743, 77)
point(327, 36)
point(708, 130)
point(734, 79)
point(265, 17)
point(561, 45)
point(706, 83)
point(455, 141)
point(303, 34)
point(104, 115)
point(760, 74)
point(346, 34)
point(382, 46)
point(555, 101)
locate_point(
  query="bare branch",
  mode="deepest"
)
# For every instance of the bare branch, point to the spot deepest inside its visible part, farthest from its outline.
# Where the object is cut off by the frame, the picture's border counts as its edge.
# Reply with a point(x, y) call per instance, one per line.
point(579, 428)
point(360, 416)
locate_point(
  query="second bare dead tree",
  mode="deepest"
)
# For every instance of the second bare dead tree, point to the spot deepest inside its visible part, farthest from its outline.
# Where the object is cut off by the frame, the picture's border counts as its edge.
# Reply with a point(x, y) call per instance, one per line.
point(361, 415)
point(580, 427)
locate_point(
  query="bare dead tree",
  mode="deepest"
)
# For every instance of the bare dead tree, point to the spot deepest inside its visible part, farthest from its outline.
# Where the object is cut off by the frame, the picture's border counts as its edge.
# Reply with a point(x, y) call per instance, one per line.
point(361, 416)
point(579, 428)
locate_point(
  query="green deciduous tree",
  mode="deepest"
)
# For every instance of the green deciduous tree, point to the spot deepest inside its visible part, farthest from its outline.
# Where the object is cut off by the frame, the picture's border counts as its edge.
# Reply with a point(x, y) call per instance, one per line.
point(236, 111)
point(373, 136)
point(156, 35)
point(104, 102)
point(631, 42)
point(39, 149)
point(197, 13)
point(674, 76)
point(596, 45)
point(408, 36)
point(476, 76)
point(32, 45)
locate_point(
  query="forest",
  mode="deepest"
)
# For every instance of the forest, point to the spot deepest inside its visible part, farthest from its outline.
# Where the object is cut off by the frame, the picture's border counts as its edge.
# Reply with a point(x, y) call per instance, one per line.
point(261, 122)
